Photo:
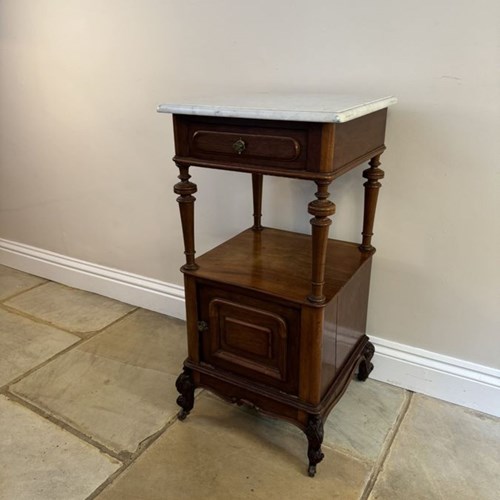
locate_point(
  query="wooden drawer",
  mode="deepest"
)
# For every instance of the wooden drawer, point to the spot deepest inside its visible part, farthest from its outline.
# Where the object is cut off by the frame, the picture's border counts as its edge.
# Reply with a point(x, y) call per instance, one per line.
point(290, 149)
point(249, 337)
point(242, 142)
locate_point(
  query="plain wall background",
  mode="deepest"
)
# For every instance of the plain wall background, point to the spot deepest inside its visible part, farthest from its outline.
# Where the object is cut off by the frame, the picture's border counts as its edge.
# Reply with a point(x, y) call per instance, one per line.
point(85, 165)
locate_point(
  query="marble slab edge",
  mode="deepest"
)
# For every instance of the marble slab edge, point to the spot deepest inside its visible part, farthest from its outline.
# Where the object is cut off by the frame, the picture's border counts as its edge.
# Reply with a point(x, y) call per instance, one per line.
point(267, 113)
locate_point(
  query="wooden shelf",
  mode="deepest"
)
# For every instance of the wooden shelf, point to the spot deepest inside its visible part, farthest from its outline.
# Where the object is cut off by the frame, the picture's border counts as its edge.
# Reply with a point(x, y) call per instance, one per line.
point(278, 263)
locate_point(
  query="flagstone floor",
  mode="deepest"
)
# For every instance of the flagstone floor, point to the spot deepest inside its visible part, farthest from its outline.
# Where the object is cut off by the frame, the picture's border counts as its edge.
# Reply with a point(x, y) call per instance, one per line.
point(87, 410)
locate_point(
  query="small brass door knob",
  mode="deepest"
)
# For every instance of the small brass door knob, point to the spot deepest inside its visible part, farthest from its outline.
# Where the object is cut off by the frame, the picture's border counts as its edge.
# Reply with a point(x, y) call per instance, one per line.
point(239, 146)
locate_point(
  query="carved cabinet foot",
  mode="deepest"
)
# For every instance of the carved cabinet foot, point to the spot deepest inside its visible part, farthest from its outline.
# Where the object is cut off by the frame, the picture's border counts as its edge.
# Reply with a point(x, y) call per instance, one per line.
point(314, 433)
point(185, 386)
point(365, 364)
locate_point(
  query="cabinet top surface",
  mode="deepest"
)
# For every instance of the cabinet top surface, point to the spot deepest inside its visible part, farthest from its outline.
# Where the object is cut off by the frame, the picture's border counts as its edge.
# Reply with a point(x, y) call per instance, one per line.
point(323, 108)
point(278, 263)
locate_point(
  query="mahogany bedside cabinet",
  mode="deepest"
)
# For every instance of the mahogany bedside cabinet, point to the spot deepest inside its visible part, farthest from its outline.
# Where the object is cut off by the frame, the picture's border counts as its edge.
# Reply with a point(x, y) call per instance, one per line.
point(276, 319)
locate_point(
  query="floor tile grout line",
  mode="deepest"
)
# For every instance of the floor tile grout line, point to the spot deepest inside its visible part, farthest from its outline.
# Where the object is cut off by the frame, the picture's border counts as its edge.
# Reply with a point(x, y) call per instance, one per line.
point(126, 464)
point(386, 447)
point(35, 319)
point(96, 333)
point(17, 294)
point(122, 457)
point(143, 446)
point(58, 354)
point(82, 335)
point(125, 457)
point(23, 314)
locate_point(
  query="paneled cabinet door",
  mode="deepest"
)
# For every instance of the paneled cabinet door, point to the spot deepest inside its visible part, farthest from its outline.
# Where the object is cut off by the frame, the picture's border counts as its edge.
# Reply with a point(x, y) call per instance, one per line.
point(251, 337)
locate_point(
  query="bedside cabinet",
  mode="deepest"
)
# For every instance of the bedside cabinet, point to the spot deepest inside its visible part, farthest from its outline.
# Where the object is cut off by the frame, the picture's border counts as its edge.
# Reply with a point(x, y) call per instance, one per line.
point(275, 319)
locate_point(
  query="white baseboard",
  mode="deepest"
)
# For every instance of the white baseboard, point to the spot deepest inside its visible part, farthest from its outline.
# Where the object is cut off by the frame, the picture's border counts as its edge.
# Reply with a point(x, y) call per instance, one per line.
point(450, 379)
point(443, 377)
point(131, 288)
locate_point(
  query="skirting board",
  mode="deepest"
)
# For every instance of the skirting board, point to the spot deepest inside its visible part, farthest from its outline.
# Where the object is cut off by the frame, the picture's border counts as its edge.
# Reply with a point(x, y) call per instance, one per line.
point(131, 288)
point(443, 377)
point(450, 379)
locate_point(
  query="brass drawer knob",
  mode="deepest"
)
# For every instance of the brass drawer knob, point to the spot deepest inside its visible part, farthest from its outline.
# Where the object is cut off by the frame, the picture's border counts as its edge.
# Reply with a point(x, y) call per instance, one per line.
point(239, 146)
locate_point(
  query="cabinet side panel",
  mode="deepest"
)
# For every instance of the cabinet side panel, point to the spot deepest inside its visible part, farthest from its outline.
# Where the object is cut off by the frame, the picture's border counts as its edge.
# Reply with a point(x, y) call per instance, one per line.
point(356, 139)
point(352, 310)
point(329, 349)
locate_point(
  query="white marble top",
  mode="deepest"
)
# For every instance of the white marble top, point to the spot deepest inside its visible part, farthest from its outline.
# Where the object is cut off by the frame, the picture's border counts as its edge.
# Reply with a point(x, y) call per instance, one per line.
point(325, 108)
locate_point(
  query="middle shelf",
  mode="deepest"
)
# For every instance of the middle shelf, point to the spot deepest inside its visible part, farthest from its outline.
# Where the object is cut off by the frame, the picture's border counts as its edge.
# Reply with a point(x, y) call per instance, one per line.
point(278, 263)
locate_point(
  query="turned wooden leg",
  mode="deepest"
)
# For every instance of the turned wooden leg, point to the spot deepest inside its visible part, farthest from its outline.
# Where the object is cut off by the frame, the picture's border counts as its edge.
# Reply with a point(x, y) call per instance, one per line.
point(314, 433)
point(321, 208)
point(365, 364)
point(185, 189)
point(257, 201)
point(372, 186)
point(185, 386)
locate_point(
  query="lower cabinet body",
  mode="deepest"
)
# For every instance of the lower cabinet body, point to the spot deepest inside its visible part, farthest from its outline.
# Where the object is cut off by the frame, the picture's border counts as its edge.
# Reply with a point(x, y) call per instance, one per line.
point(287, 359)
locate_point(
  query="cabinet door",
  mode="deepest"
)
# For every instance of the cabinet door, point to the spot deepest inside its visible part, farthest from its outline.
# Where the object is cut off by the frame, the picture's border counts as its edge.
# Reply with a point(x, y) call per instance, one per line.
point(248, 336)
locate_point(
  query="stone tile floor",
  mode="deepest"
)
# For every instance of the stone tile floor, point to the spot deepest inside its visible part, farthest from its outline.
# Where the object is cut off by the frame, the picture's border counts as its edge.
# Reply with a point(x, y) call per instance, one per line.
point(87, 410)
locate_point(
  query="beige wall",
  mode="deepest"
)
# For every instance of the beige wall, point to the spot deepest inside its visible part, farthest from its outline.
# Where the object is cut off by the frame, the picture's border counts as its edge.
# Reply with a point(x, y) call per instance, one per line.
point(85, 165)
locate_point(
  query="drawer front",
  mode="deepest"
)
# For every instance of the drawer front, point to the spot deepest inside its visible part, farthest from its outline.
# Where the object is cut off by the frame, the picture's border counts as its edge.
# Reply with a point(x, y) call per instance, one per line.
point(248, 145)
point(267, 147)
point(250, 337)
